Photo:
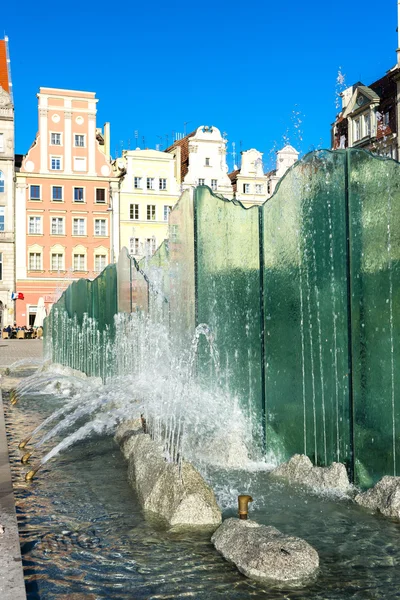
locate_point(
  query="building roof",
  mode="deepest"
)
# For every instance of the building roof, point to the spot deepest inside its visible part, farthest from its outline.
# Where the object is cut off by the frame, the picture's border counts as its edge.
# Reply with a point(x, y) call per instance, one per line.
point(4, 75)
point(183, 144)
point(233, 177)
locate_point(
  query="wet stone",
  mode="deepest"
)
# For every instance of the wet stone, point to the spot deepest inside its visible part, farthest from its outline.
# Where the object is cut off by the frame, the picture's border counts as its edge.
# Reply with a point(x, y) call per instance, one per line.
point(264, 553)
point(299, 469)
point(384, 497)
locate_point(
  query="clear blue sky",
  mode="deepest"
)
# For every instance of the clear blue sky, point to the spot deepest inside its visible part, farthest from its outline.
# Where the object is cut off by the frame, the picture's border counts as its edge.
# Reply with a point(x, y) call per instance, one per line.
point(246, 67)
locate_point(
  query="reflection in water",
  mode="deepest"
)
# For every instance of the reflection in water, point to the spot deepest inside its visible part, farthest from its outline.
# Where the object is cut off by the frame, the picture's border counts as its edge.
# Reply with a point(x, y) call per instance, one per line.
point(83, 534)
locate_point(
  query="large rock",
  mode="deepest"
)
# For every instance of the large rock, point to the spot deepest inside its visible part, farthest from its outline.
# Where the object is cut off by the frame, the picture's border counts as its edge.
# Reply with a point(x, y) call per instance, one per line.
point(177, 494)
point(299, 469)
point(384, 497)
point(264, 553)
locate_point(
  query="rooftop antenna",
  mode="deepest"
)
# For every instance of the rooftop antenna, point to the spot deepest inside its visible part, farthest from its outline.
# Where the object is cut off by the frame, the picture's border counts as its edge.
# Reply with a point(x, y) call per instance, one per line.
point(136, 134)
point(167, 139)
point(144, 142)
point(129, 143)
point(184, 127)
point(160, 145)
point(241, 146)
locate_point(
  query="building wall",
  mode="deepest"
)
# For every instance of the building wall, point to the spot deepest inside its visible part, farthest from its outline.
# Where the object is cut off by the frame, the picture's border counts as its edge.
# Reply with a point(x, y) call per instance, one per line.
point(65, 225)
point(142, 227)
point(7, 276)
point(251, 183)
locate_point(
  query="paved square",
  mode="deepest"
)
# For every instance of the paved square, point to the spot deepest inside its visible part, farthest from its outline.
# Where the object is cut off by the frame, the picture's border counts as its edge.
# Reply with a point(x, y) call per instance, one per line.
point(12, 351)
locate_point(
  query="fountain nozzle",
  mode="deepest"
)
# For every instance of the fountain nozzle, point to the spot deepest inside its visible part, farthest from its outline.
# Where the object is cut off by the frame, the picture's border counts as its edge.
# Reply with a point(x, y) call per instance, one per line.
point(13, 397)
point(24, 442)
point(26, 457)
point(244, 500)
point(31, 474)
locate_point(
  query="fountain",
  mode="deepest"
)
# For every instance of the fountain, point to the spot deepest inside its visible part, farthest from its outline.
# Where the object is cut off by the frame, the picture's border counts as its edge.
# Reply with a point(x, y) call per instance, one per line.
point(252, 335)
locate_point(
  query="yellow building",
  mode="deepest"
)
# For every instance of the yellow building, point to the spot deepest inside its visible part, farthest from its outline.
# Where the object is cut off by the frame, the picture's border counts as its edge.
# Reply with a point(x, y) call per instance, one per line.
point(148, 190)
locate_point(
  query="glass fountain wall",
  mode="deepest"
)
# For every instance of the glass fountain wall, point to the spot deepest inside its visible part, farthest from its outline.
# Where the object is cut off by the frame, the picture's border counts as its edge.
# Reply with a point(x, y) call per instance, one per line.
point(301, 297)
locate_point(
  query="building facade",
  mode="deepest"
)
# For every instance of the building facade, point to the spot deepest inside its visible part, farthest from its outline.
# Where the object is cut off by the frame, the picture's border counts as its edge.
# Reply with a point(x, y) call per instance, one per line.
point(7, 247)
point(201, 160)
point(148, 191)
point(249, 183)
point(66, 201)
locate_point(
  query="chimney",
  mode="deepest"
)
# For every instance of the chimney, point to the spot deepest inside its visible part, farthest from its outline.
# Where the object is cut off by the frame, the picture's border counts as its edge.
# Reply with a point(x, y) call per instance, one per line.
point(106, 137)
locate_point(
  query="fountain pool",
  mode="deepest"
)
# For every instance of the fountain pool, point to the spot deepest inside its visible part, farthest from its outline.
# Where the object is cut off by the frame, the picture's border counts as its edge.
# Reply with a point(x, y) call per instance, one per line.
point(83, 534)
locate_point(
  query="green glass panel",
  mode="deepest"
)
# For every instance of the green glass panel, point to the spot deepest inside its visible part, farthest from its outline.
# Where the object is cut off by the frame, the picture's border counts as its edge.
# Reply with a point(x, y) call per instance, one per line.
point(374, 199)
point(157, 270)
point(140, 287)
point(181, 271)
point(124, 282)
point(305, 309)
point(228, 296)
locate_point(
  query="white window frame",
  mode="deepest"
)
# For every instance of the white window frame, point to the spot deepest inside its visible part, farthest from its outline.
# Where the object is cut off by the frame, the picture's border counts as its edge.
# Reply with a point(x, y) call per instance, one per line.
point(35, 220)
point(101, 222)
point(151, 209)
point(162, 183)
point(100, 256)
point(55, 158)
point(202, 181)
point(214, 184)
point(105, 196)
point(2, 183)
point(356, 129)
point(58, 221)
point(58, 267)
point(246, 188)
point(2, 142)
point(62, 193)
point(167, 210)
point(137, 183)
point(79, 268)
point(77, 221)
point(79, 187)
point(134, 246)
point(37, 262)
point(80, 135)
point(150, 183)
point(151, 245)
point(133, 208)
point(259, 188)
point(2, 218)
point(53, 143)
point(31, 185)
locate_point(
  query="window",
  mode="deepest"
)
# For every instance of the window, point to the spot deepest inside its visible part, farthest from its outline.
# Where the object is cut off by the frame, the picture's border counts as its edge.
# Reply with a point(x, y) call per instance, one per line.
point(100, 195)
point(134, 246)
point(207, 162)
point(386, 118)
point(356, 129)
point(57, 262)
point(167, 210)
point(269, 187)
point(151, 212)
point(137, 183)
point(259, 188)
point(150, 245)
point(1, 182)
point(246, 188)
point(150, 183)
point(79, 195)
point(35, 261)
point(2, 214)
point(1, 142)
point(55, 139)
point(55, 163)
point(78, 227)
point(35, 225)
point(34, 192)
point(57, 226)
point(1, 266)
point(79, 262)
point(100, 227)
point(202, 182)
point(79, 141)
point(367, 124)
point(100, 262)
point(214, 183)
point(79, 164)
point(57, 193)
point(134, 211)
point(162, 184)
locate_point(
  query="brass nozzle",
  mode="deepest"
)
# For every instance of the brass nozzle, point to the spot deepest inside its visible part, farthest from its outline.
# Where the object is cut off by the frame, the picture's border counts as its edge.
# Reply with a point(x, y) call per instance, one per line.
point(24, 442)
point(13, 397)
point(244, 505)
point(31, 474)
point(26, 457)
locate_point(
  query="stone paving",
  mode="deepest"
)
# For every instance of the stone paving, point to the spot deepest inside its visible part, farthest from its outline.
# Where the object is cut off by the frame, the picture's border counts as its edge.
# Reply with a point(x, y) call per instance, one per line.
point(12, 351)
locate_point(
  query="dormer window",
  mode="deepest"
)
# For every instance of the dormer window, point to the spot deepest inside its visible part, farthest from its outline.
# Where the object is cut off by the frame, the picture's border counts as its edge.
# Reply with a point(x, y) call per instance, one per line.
point(386, 118)
point(356, 130)
point(367, 125)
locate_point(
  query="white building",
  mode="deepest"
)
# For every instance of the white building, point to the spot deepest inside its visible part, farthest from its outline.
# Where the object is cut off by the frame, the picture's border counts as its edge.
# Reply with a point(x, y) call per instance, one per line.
point(7, 268)
point(201, 156)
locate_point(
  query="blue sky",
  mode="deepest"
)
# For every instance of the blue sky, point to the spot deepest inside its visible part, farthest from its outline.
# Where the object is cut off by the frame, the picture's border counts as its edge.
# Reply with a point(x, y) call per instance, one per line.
point(259, 71)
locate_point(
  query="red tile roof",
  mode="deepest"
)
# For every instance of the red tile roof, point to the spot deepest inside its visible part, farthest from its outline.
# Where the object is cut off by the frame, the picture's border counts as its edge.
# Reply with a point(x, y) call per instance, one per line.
point(4, 82)
point(184, 146)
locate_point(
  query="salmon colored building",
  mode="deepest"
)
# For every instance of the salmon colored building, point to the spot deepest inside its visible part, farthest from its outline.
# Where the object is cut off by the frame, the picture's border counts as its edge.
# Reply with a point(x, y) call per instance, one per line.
point(66, 201)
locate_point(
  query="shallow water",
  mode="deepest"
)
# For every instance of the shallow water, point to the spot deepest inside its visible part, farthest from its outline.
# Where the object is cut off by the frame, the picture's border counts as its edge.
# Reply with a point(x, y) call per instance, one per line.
point(83, 534)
